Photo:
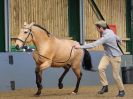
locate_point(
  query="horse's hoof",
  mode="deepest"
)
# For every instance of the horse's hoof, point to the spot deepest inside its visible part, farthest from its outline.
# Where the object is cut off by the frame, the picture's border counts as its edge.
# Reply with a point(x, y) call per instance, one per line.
point(38, 94)
point(60, 85)
point(74, 93)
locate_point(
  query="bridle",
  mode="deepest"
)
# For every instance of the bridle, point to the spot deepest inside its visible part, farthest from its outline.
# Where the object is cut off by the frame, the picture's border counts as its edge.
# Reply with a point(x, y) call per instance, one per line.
point(29, 33)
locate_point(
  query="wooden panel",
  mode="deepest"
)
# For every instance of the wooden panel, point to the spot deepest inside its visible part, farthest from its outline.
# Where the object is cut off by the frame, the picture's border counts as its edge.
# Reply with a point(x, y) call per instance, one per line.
point(114, 13)
point(51, 14)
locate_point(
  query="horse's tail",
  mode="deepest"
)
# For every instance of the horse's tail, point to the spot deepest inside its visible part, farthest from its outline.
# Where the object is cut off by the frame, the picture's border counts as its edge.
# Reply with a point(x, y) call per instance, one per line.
point(87, 64)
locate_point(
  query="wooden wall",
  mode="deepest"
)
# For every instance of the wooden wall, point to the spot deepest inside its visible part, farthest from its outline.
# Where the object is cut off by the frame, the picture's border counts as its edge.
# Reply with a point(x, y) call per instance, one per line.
point(114, 13)
point(51, 14)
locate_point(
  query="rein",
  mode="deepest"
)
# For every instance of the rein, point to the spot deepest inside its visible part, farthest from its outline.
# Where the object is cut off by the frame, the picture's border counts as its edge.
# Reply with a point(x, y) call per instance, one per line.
point(56, 61)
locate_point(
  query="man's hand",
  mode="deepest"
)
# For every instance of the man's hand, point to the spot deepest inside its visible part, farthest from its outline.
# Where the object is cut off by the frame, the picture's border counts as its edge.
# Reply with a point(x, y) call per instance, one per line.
point(77, 46)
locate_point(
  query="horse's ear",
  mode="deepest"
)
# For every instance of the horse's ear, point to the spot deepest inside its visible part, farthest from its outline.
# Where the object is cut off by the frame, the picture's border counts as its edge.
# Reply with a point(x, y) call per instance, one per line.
point(25, 23)
point(31, 24)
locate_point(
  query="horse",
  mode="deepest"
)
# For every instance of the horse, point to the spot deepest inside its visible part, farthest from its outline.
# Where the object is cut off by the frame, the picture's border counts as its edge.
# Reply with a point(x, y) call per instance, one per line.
point(51, 51)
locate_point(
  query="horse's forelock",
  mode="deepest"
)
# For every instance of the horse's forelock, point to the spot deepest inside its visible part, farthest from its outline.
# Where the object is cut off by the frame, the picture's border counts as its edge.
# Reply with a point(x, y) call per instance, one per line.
point(31, 24)
point(26, 25)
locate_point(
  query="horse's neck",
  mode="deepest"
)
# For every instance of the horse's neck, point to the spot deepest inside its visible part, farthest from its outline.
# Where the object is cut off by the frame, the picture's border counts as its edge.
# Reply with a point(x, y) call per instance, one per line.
point(40, 39)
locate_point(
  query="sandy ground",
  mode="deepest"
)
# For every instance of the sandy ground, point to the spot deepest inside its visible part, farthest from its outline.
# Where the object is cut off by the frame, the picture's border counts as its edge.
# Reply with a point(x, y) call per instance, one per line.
point(85, 92)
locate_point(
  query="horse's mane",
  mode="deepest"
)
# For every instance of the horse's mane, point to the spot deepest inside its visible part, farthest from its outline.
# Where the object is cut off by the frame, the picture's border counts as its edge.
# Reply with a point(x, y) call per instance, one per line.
point(42, 29)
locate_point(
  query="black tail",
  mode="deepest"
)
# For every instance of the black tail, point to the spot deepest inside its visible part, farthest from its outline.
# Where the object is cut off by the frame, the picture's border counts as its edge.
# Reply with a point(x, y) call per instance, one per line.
point(87, 64)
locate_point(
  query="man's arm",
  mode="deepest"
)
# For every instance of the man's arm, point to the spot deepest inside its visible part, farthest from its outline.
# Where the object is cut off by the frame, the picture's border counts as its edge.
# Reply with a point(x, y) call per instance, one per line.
point(94, 44)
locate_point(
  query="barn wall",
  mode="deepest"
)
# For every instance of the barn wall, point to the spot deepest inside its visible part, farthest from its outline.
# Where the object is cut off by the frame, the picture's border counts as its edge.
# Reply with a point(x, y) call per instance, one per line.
point(23, 67)
point(53, 15)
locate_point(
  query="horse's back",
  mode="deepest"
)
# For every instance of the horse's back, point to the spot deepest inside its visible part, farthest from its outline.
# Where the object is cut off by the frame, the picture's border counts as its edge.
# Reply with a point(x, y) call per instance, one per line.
point(66, 42)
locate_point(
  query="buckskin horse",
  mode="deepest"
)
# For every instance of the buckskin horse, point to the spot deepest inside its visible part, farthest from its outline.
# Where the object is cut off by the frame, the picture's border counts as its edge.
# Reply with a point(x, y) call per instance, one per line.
point(53, 52)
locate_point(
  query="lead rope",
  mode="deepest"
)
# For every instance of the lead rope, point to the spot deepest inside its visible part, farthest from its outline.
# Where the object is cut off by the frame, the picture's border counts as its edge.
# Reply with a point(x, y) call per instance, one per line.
point(59, 62)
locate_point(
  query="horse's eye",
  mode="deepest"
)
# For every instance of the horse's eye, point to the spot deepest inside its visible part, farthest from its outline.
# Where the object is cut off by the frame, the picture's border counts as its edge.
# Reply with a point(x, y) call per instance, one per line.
point(25, 32)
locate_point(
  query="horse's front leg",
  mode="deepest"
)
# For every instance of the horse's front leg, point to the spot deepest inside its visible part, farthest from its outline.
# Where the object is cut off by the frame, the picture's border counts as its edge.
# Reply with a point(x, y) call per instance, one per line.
point(38, 73)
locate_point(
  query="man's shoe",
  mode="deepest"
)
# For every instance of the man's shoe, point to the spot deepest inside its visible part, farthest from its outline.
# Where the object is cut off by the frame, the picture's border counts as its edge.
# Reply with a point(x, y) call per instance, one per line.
point(103, 90)
point(121, 93)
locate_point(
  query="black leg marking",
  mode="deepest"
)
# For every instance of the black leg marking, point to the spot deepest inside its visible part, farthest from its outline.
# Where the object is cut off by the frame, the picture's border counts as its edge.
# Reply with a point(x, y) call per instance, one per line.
point(38, 82)
point(60, 84)
point(77, 85)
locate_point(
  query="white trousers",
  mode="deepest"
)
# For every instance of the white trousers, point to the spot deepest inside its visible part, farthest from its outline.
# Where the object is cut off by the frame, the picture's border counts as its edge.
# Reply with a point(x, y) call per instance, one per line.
point(115, 62)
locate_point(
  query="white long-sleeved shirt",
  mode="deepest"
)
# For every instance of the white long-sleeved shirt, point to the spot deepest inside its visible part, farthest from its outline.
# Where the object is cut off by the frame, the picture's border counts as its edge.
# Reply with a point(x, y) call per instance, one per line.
point(109, 41)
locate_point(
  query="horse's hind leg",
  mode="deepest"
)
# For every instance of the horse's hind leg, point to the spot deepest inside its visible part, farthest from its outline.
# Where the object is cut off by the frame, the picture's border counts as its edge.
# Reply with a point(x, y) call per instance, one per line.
point(79, 76)
point(38, 81)
point(60, 84)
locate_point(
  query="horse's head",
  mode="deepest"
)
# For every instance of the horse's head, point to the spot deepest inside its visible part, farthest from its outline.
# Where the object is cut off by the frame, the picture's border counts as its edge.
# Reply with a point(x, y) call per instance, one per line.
point(24, 36)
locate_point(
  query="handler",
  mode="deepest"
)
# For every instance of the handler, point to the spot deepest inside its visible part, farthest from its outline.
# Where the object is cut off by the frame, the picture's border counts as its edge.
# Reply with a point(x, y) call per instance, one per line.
point(112, 55)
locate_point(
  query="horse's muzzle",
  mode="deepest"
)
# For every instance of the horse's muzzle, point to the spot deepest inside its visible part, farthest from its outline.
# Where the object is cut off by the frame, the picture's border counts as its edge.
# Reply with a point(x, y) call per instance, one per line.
point(17, 47)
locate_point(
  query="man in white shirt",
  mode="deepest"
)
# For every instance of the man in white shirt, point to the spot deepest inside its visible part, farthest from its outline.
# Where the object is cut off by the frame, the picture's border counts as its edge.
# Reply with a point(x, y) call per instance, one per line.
point(112, 55)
